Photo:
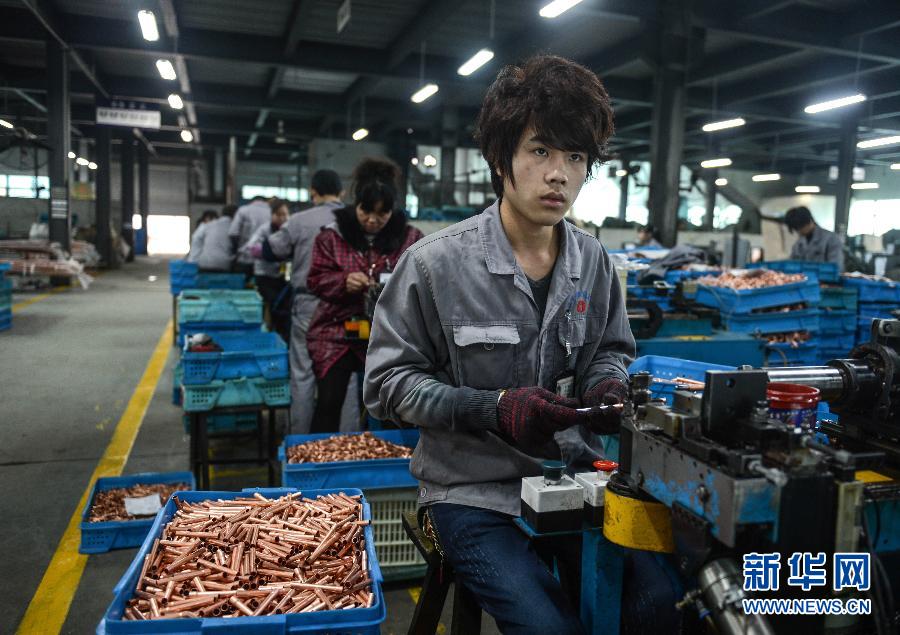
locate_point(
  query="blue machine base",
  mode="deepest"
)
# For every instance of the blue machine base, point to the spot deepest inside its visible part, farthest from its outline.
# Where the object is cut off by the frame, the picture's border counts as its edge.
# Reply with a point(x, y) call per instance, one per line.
point(730, 349)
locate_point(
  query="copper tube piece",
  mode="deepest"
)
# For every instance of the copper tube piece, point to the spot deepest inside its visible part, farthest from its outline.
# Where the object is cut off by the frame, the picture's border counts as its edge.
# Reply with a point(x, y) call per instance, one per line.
point(243, 608)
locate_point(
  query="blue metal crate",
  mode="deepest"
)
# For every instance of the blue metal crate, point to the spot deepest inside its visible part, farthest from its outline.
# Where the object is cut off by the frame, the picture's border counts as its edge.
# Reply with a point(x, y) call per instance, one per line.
point(775, 322)
point(839, 299)
point(255, 391)
point(244, 354)
point(219, 305)
point(874, 291)
point(363, 621)
point(836, 322)
point(123, 534)
point(822, 271)
point(671, 368)
point(784, 354)
point(731, 302)
point(369, 474)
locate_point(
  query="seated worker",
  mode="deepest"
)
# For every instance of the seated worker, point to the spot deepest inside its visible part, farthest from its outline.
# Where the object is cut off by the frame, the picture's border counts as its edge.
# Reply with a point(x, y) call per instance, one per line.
point(493, 333)
point(647, 237)
point(270, 281)
point(214, 246)
point(814, 244)
point(350, 255)
point(197, 238)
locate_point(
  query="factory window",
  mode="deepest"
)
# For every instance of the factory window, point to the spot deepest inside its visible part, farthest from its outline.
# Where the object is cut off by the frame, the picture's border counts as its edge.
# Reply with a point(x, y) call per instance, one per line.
point(23, 186)
point(874, 217)
point(168, 235)
point(289, 193)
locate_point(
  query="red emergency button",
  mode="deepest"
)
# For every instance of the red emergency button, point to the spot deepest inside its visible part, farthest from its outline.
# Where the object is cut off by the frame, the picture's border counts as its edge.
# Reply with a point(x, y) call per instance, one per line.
point(606, 466)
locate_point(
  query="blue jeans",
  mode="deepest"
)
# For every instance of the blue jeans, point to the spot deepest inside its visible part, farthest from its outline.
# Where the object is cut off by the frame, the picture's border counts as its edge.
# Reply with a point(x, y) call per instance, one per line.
point(499, 565)
point(510, 581)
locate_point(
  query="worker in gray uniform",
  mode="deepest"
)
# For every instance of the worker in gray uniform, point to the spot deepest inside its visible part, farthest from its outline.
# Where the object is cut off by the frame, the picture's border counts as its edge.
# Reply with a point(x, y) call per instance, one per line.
point(501, 336)
point(815, 244)
point(295, 240)
point(247, 220)
point(213, 247)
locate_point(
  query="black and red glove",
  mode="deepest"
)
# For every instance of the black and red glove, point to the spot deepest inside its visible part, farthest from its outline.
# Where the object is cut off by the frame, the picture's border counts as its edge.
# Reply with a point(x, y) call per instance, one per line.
point(608, 392)
point(530, 416)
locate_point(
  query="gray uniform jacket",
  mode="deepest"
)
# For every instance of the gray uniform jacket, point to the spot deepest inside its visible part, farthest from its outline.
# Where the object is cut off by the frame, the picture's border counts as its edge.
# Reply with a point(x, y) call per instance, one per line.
point(458, 314)
point(824, 246)
point(297, 235)
point(215, 249)
point(197, 243)
point(247, 220)
point(260, 266)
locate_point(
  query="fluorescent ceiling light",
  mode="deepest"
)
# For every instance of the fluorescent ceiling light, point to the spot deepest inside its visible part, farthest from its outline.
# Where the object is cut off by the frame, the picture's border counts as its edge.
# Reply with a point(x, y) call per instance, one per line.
point(71, 155)
point(722, 125)
point(881, 141)
point(834, 103)
point(175, 101)
point(6, 124)
point(721, 182)
point(414, 160)
point(424, 93)
point(557, 7)
point(807, 189)
point(360, 134)
point(187, 136)
point(165, 68)
point(864, 186)
point(81, 161)
point(429, 161)
point(92, 165)
point(148, 25)
point(478, 60)
point(715, 163)
point(895, 166)
point(766, 177)
point(621, 172)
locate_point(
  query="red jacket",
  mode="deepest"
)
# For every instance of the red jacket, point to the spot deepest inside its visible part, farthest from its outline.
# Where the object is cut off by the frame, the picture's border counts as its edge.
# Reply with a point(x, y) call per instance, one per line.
point(340, 249)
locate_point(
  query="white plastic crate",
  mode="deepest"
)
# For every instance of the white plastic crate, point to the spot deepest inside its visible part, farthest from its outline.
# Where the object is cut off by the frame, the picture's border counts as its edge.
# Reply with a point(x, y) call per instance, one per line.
point(393, 546)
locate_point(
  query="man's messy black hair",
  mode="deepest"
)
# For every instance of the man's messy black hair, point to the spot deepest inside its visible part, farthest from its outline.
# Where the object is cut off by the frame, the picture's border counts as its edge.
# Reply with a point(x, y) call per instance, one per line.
point(563, 101)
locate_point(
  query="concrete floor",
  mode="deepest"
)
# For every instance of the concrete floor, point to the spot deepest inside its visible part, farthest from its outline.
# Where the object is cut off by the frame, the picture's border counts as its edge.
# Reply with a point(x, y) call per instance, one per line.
point(69, 367)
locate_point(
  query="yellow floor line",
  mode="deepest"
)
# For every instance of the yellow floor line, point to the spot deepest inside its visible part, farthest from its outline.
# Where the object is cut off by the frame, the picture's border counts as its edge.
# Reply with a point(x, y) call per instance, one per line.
point(49, 607)
point(25, 303)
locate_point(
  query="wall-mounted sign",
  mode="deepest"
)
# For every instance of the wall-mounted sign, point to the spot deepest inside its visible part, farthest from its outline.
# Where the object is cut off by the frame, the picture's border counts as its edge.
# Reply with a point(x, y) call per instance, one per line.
point(59, 202)
point(343, 15)
point(130, 114)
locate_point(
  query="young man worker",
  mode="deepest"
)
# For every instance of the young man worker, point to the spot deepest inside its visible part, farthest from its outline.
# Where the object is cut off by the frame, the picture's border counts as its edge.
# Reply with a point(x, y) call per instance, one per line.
point(492, 333)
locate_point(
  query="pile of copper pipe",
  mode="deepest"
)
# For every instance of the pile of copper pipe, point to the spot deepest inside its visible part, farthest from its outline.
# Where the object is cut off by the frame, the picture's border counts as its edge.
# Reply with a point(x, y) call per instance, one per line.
point(754, 279)
point(256, 556)
point(783, 309)
point(109, 505)
point(794, 339)
point(347, 447)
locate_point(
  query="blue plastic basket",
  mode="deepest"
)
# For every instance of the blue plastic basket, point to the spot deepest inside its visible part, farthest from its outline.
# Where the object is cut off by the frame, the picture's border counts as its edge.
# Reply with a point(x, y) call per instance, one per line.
point(225, 423)
point(874, 291)
point(784, 354)
point(776, 322)
point(660, 295)
point(177, 377)
point(822, 271)
point(213, 328)
point(671, 368)
point(123, 534)
point(233, 281)
point(4, 267)
point(369, 474)
point(731, 302)
point(219, 305)
point(844, 342)
point(244, 354)
point(255, 391)
point(879, 310)
point(5, 301)
point(837, 322)
point(362, 621)
point(182, 275)
point(839, 299)
point(5, 320)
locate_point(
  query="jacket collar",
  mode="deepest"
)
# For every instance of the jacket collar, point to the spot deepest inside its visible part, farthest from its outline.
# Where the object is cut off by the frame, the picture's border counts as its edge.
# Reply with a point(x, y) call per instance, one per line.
point(498, 252)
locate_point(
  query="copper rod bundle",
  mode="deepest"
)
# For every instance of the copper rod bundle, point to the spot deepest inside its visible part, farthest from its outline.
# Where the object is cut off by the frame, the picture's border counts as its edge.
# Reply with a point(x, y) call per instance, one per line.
point(347, 447)
point(256, 556)
point(109, 505)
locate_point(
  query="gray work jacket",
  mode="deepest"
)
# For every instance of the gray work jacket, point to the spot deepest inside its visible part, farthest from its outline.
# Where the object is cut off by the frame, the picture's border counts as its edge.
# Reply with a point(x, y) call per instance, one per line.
point(823, 246)
point(197, 243)
point(215, 250)
point(458, 314)
point(247, 220)
point(297, 235)
point(260, 266)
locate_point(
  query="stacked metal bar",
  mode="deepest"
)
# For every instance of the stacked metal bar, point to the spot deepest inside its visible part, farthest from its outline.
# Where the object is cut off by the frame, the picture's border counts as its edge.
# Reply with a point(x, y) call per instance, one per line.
point(109, 505)
point(346, 447)
point(256, 556)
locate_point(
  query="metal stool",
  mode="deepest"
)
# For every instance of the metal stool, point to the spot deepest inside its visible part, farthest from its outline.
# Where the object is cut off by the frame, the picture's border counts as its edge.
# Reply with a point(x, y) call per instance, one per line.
point(466, 619)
